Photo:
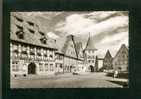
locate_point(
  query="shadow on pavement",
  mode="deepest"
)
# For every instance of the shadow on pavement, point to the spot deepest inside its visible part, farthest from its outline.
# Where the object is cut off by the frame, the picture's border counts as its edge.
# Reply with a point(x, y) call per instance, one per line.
point(124, 84)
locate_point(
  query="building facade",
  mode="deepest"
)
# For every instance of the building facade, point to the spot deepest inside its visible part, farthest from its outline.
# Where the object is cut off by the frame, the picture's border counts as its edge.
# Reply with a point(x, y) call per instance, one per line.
point(90, 56)
point(120, 61)
point(107, 62)
point(30, 50)
point(71, 59)
point(59, 62)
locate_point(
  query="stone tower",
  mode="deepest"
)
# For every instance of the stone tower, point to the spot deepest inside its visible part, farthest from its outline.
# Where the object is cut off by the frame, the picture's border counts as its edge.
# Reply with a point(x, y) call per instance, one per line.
point(89, 55)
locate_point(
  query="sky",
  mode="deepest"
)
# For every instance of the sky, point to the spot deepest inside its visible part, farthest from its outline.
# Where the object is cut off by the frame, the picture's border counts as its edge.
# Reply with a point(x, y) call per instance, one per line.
point(108, 29)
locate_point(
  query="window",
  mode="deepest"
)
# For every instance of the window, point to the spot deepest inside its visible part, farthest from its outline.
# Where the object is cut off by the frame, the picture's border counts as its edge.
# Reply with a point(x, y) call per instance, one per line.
point(61, 66)
point(31, 31)
point(41, 68)
point(20, 34)
point(19, 19)
point(89, 61)
point(42, 33)
point(39, 54)
point(32, 53)
point(51, 56)
point(43, 40)
point(56, 65)
point(89, 51)
point(15, 66)
point(24, 47)
point(60, 58)
point(24, 52)
point(46, 67)
point(45, 55)
point(89, 56)
point(30, 23)
point(19, 27)
point(51, 67)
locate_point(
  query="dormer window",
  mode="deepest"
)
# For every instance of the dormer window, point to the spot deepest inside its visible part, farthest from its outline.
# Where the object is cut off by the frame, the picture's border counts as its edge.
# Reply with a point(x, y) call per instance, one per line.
point(42, 33)
point(43, 40)
point(20, 34)
point(31, 31)
point(19, 19)
point(30, 23)
point(19, 27)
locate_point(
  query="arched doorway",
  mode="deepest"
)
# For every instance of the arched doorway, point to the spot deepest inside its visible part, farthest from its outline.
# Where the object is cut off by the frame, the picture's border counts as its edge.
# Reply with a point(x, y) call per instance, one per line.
point(91, 68)
point(32, 68)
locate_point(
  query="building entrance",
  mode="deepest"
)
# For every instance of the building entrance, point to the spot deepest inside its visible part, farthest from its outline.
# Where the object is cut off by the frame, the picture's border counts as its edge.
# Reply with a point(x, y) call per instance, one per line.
point(32, 68)
point(91, 68)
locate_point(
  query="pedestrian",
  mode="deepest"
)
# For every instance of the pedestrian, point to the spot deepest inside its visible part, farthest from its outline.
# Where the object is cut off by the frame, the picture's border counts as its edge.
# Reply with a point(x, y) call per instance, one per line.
point(115, 74)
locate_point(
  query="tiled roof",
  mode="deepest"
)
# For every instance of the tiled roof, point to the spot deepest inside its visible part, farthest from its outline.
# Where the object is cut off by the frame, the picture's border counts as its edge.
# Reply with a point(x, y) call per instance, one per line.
point(122, 48)
point(30, 38)
point(62, 44)
point(108, 55)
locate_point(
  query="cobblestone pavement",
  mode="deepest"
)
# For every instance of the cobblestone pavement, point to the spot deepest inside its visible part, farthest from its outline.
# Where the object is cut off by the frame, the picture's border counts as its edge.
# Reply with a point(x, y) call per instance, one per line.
point(67, 80)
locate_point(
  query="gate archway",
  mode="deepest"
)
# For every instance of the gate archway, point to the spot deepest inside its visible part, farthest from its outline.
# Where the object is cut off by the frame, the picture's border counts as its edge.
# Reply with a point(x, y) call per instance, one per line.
point(32, 68)
point(91, 68)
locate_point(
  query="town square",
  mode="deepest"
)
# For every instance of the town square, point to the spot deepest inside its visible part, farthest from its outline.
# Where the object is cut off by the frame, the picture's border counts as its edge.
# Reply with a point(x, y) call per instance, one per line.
point(69, 49)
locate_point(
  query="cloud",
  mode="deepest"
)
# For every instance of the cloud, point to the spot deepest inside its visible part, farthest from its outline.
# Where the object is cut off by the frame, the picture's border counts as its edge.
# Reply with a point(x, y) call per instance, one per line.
point(107, 26)
point(74, 24)
point(112, 43)
point(52, 35)
point(78, 24)
point(108, 29)
point(46, 15)
point(103, 15)
point(117, 37)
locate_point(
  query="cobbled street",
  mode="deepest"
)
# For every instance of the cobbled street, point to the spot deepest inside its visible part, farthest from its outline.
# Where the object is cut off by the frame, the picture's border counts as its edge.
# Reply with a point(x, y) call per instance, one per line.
point(67, 80)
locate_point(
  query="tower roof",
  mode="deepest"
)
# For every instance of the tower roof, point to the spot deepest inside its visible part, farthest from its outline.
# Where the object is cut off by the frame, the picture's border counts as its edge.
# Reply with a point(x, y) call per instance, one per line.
point(108, 54)
point(90, 44)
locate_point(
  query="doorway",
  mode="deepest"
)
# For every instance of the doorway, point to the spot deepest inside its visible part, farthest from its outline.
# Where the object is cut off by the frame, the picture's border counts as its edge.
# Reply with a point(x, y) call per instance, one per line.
point(32, 68)
point(91, 68)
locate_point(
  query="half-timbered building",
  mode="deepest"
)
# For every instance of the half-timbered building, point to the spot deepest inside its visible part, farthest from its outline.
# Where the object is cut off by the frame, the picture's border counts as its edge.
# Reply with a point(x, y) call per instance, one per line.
point(120, 61)
point(31, 51)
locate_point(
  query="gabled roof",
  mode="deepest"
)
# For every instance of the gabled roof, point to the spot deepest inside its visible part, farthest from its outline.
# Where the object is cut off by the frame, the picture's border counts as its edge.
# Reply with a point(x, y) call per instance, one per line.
point(62, 44)
point(68, 39)
point(108, 55)
point(122, 48)
point(30, 38)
